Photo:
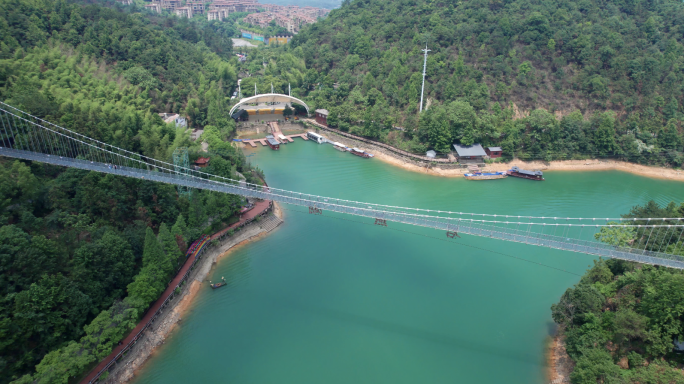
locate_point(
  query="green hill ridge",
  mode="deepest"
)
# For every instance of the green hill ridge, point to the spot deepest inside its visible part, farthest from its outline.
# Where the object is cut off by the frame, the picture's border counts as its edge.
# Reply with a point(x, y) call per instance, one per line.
point(542, 79)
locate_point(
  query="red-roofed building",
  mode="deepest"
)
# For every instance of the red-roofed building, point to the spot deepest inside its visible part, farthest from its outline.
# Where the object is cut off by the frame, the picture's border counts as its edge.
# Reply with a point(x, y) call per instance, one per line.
point(202, 162)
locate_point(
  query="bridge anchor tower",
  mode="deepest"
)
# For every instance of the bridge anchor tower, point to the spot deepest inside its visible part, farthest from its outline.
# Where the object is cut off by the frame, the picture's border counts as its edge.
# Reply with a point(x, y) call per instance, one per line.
point(181, 163)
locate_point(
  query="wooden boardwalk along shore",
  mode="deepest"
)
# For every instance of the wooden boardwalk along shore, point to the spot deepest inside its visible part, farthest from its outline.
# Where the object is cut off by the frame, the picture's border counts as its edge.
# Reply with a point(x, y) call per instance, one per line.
point(260, 208)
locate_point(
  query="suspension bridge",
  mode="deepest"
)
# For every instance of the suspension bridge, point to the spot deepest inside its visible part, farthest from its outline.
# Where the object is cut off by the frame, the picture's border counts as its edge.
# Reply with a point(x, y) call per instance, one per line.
point(656, 241)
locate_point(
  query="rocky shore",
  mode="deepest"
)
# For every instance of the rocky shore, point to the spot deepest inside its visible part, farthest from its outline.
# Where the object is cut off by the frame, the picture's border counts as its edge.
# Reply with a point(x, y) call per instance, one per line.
point(559, 364)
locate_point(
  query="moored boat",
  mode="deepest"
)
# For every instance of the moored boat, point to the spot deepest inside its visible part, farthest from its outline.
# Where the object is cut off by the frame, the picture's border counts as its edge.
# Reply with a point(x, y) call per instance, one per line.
point(315, 137)
point(525, 174)
point(272, 142)
point(340, 147)
point(361, 153)
point(218, 285)
point(485, 176)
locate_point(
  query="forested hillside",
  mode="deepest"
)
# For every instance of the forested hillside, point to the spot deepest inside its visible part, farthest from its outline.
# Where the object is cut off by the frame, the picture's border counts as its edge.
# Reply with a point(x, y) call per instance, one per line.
point(177, 64)
point(613, 69)
point(621, 320)
point(83, 254)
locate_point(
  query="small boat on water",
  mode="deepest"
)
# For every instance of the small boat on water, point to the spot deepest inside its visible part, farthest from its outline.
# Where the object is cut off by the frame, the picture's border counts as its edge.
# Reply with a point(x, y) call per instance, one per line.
point(219, 284)
point(272, 142)
point(525, 174)
point(485, 176)
point(340, 147)
point(360, 153)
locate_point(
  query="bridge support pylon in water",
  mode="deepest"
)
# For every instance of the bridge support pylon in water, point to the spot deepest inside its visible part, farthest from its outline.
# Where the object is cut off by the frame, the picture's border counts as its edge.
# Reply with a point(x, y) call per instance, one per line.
point(181, 163)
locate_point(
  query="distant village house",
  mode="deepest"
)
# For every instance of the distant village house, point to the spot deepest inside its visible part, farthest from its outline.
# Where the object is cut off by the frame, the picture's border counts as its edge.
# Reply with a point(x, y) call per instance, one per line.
point(470, 153)
point(202, 162)
point(494, 152)
point(168, 118)
point(322, 116)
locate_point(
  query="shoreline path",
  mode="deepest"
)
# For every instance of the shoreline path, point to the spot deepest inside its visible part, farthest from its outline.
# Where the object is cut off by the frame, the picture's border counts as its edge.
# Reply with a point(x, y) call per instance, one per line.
point(258, 209)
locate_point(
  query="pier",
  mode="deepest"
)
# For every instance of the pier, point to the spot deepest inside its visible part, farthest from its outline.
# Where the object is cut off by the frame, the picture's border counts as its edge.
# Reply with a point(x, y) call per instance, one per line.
point(277, 134)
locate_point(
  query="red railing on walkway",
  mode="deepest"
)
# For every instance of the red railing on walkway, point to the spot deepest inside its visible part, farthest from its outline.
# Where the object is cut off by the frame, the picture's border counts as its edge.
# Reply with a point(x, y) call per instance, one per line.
point(197, 248)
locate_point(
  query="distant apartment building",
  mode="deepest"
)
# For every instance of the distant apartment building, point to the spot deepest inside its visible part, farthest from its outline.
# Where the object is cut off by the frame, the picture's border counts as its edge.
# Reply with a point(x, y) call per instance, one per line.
point(170, 5)
point(290, 10)
point(224, 6)
point(290, 17)
point(126, 2)
point(197, 7)
point(260, 19)
point(302, 20)
point(184, 12)
point(247, 6)
point(287, 23)
point(154, 7)
point(217, 14)
point(315, 12)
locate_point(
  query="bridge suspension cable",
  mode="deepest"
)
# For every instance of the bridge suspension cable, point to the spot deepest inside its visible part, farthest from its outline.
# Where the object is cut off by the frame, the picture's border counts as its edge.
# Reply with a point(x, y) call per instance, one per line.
point(655, 241)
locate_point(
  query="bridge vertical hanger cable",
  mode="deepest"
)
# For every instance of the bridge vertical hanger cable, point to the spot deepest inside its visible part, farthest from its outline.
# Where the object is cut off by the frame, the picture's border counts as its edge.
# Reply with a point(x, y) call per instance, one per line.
point(31, 138)
point(674, 251)
point(647, 240)
point(669, 240)
point(5, 137)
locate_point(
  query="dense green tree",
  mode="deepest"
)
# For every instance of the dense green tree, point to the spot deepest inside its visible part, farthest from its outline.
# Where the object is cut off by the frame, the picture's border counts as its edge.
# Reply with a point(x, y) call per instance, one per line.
point(621, 310)
point(153, 254)
point(560, 58)
point(103, 268)
point(596, 366)
point(151, 281)
point(169, 245)
point(50, 312)
point(24, 259)
point(179, 231)
point(197, 215)
point(576, 303)
point(104, 71)
point(148, 284)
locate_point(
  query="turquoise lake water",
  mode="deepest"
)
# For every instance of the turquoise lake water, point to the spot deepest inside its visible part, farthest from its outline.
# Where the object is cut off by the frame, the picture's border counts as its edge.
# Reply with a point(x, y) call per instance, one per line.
point(336, 299)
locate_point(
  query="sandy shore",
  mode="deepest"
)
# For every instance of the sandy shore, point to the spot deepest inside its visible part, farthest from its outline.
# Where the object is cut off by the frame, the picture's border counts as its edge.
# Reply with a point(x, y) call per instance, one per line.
point(564, 165)
point(184, 305)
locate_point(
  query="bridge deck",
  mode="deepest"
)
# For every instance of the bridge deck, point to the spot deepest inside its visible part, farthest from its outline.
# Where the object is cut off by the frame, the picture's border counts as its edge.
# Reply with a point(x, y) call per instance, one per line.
point(460, 225)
